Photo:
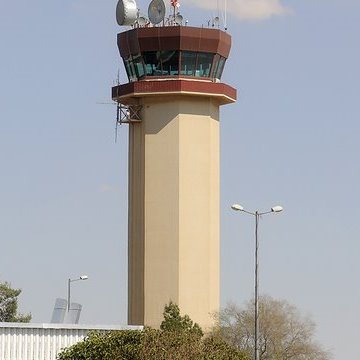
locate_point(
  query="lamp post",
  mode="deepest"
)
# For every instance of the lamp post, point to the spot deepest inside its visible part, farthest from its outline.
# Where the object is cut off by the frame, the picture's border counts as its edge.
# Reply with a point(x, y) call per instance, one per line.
point(82, 277)
point(257, 214)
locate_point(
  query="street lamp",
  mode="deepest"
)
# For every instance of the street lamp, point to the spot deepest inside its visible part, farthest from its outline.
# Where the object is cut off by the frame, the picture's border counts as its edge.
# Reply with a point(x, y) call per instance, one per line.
point(82, 277)
point(257, 214)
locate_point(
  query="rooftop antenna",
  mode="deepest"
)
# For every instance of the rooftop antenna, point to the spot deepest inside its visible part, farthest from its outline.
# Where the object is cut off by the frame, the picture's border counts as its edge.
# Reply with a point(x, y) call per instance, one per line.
point(156, 11)
point(118, 115)
point(126, 12)
point(141, 21)
point(118, 77)
point(179, 19)
point(215, 18)
point(175, 4)
point(118, 111)
point(118, 122)
point(216, 21)
point(118, 107)
point(225, 14)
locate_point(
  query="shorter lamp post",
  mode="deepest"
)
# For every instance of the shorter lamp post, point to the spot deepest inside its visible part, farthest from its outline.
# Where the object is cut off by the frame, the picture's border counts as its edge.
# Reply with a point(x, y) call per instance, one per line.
point(82, 277)
point(257, 214)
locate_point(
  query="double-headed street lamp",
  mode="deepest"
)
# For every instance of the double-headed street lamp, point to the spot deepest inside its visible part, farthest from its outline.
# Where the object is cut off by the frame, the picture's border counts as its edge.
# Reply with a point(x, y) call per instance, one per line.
point(257, 214)
point(82, 277)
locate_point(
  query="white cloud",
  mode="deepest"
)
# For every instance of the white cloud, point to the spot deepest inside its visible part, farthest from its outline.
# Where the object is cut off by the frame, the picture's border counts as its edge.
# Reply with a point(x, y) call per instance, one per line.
point(244, 9)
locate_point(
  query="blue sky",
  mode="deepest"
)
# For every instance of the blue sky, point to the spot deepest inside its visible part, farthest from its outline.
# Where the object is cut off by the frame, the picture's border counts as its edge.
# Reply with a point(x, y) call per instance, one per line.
point(291, 139)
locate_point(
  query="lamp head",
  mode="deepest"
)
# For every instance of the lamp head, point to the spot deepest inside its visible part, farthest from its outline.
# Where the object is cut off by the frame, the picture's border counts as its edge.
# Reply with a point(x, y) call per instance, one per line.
point(237, 207)
point(84, 277)
point(277, 209)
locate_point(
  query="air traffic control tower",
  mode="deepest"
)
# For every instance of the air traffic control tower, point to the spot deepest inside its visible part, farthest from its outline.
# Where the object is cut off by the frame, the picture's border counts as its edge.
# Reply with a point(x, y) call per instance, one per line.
point(171, 103)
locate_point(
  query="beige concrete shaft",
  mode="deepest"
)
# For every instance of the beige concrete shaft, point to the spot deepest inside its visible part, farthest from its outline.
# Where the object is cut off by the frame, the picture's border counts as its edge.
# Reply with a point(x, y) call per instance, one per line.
point(174, 209)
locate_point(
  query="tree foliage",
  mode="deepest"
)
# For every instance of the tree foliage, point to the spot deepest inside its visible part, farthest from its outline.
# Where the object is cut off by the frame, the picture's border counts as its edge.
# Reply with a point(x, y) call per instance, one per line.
point(177, 339)
point(173, 321)
point(283, 335)
point(9, 305)
point(117, 345)
point(185, 345)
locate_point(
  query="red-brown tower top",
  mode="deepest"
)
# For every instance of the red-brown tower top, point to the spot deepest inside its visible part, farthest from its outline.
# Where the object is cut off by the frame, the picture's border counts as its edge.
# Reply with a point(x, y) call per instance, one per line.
point(174, 59)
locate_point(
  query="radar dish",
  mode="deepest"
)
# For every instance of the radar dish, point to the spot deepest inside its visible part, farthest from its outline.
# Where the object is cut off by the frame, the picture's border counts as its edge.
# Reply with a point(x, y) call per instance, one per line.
point(126, 12)
point(179, 19)
point(156, 11)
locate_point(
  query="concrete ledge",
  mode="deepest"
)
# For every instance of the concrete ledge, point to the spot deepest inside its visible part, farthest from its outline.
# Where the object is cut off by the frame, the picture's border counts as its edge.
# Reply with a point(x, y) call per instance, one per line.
point(224, 93)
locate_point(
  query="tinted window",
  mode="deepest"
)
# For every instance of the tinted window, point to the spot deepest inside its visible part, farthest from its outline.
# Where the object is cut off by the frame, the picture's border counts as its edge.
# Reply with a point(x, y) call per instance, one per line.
point(170, 62)
point(138, 65)
point(188, 63)
point(220, 68)
point(215, 65)
point(152, 63)
point(204, 63)
point(130, 70)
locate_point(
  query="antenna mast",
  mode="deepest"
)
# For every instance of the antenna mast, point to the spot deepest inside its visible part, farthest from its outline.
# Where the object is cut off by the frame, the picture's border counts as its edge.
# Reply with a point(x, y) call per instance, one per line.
point(175, 4)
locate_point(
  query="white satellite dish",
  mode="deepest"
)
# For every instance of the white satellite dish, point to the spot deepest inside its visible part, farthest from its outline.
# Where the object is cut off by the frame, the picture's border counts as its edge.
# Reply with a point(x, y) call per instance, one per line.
point(156, 11)
point(126, 12)
point(142, 21)
point(179, 19)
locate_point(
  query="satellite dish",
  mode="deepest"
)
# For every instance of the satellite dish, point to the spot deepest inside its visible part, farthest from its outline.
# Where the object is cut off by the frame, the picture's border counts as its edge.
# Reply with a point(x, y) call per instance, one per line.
point(216, 21)
point(179, 19)
point(156, 11)
point(126, 12)
point(141, 21)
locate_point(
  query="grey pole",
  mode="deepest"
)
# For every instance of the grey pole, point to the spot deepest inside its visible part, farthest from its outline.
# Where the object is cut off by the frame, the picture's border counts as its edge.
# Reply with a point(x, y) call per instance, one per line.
point(82, 277)
point(257, 215)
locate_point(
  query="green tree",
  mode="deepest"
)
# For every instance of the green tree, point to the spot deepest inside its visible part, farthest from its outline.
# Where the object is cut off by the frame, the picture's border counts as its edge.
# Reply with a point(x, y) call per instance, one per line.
point(122, 345)
point(284, 333)
point(9, 305)
point(216, 348)
point(178, 339)
point(185, 345)
point(173, 321)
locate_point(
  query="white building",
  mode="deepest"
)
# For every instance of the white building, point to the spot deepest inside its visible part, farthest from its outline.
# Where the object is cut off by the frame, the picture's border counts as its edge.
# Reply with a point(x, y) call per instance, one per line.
point(44, 341)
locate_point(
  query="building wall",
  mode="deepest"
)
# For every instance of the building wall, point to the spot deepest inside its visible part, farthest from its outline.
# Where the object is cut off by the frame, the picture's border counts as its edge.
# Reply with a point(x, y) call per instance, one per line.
point(174, 209)
point(42, 341)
